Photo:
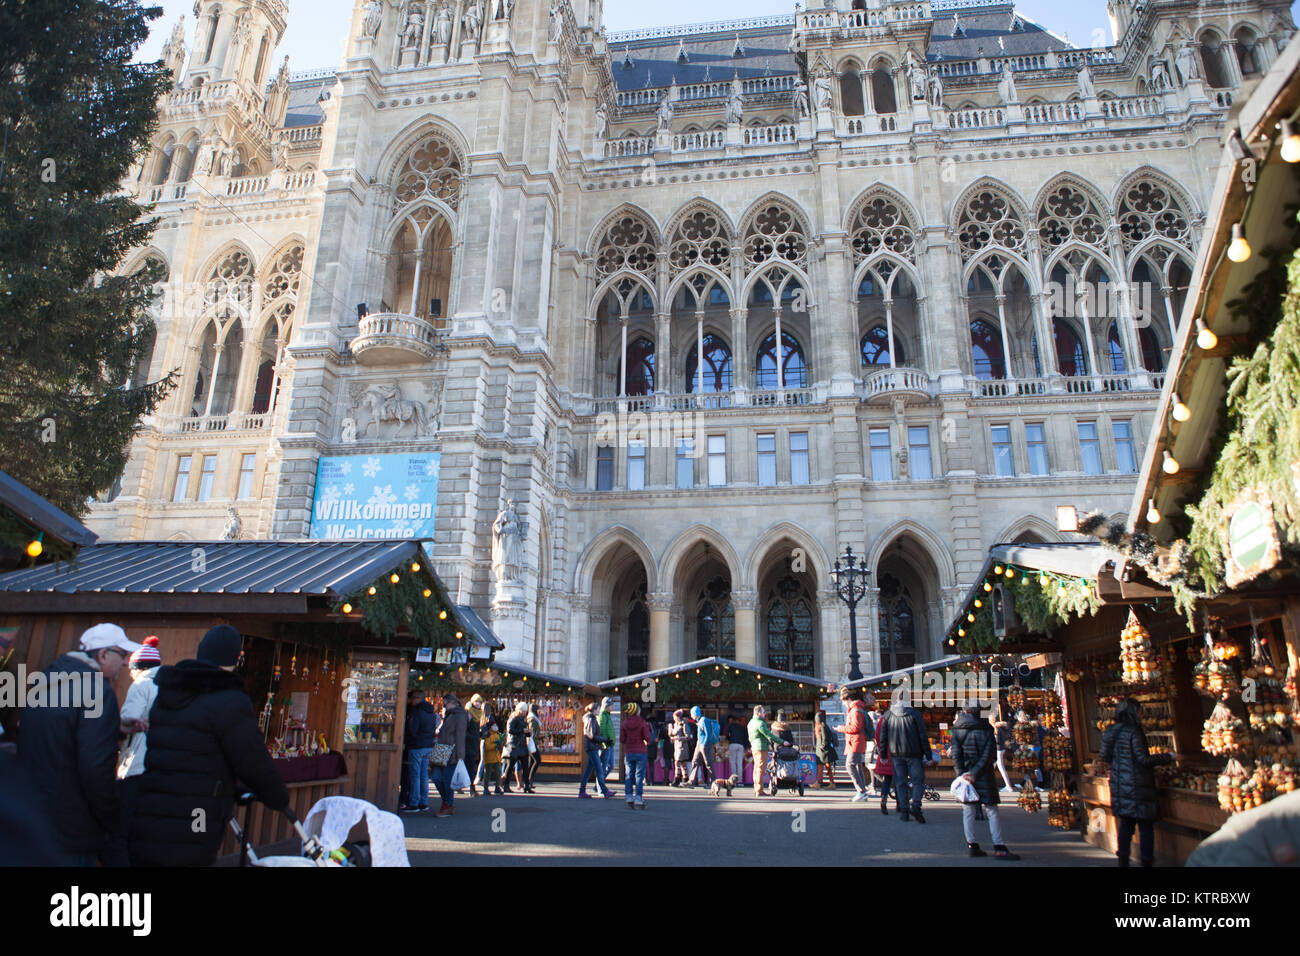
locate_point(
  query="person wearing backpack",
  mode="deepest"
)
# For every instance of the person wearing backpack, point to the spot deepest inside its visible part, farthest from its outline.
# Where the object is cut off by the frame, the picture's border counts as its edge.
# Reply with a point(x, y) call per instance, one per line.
point(707, 734)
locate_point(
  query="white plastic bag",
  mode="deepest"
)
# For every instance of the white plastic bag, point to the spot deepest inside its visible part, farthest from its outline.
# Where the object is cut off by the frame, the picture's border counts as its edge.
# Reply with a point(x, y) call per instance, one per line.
point(964, 791)
point(460, 777)
point(532, 747)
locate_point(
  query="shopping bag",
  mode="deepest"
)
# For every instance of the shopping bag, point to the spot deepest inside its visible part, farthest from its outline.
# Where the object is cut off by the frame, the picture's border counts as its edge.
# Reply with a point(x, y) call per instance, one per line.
point(460, 776)
point(964, 791)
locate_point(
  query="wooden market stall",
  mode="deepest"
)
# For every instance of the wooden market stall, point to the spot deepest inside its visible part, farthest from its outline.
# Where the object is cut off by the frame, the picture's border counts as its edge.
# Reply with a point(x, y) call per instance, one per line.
point(722, 688)
point(330, 629)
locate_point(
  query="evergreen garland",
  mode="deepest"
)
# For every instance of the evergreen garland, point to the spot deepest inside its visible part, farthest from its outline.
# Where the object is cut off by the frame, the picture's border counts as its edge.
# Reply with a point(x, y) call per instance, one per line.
point(1044, 601)
point(686, 685)
point(403, 608)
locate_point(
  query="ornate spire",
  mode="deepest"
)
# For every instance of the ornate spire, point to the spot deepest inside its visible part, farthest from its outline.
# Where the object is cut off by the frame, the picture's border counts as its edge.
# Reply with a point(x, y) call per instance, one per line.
point(682, 56)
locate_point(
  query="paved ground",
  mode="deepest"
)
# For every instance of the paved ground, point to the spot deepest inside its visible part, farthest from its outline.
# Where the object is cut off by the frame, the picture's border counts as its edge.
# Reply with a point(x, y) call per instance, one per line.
point(690, 828)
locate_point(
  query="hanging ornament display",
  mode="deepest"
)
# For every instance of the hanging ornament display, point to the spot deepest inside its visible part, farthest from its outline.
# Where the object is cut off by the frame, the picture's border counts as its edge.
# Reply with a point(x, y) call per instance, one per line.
point(1137, 654)
point(1268, 704)
point(1016, 697)
point(1058, 753)
point(1061, 812)
point(1051, 712)
point(1224, 734)
point(293, 663)
point(1029, 799)
point(1025, 734)
point(1235, 791)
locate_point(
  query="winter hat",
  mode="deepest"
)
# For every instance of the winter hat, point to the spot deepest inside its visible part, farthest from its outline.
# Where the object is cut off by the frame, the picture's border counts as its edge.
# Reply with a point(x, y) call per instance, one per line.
point(696, 712)
point(222, 646)
point(102, 637)
point(148, 655)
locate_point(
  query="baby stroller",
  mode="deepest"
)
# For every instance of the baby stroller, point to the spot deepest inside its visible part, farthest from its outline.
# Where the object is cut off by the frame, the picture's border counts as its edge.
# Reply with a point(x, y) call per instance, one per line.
point(339, 831)
point(784, 770)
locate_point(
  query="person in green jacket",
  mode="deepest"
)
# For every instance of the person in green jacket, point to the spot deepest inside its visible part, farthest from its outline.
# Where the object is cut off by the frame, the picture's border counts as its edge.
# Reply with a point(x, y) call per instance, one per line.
point(606, 722)
point(761, 740)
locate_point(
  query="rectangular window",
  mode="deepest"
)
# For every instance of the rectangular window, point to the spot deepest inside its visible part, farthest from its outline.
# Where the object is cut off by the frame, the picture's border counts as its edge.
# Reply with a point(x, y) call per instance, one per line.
point(1036, 438)
point(247, 466)
point(206, 477)
point(1127, 461)
point(798, 458)
point(686, 463)
point(1090, 448)
point(636, 465)
point(767, 459)
point(717, 460)
point(1003, 463)
point(918, 446)
point(882, 459)
point(605, 468)
point(182, 490)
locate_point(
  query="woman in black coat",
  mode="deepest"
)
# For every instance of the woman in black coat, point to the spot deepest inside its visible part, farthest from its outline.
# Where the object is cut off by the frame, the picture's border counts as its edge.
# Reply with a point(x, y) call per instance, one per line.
point(1132, 780)
point(974, 756)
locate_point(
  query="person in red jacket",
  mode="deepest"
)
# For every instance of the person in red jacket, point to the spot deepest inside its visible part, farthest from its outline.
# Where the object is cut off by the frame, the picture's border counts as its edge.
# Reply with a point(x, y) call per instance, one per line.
point(635, 736)
point(885, 770)
point(855, 730)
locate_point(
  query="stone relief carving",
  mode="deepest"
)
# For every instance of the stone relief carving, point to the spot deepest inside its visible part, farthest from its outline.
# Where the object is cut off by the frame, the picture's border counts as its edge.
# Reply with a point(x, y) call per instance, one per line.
point(384, 405)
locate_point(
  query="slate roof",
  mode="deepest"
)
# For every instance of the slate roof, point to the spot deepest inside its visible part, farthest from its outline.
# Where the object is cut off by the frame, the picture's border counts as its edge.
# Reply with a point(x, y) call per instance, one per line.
point(303, 110)
point(40, 514)
point(981, 27)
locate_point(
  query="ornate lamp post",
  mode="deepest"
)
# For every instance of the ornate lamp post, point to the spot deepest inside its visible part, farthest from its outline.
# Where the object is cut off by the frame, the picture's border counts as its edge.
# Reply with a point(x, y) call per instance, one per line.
point(851, 582)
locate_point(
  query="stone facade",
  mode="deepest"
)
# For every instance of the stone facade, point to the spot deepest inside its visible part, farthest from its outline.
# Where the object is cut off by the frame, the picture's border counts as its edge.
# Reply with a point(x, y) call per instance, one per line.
point(710, 303)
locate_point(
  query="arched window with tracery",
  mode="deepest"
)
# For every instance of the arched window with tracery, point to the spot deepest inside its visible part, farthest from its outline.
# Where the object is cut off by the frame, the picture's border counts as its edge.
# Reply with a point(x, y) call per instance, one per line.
point(775, 233)
point(989, 219)
point(1249, 56)
point(897, 625)
point(790, 645)
point(851, 101)
point(1216, 64)
point(281, 278)
point(986, 350)
point(880, 224)
point(1149, 208)
point(793, 368)
point(641, 367)
point(427, 190)
point(1069, 214)
point(717, 366)
point(700, 238)
point(715, 621)
point(629, 243)
point(884, 99)
point(875, 349)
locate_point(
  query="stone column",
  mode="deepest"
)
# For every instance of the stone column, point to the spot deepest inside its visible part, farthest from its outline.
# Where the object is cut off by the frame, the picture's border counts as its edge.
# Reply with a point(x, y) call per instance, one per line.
point(579, 634)
point(661, 603)
point(745, 604)
point(598, 661)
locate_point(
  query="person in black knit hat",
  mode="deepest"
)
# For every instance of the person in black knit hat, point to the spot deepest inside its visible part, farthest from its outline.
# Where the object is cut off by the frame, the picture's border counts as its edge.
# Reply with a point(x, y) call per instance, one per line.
point(203, 737)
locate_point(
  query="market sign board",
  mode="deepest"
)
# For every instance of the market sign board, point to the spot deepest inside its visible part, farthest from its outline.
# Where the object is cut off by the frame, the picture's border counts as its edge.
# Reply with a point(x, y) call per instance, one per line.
point(375, 496)
point(1252, 541)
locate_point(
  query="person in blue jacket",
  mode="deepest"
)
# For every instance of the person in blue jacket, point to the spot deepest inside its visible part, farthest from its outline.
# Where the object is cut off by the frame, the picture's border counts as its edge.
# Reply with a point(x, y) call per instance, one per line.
point(707, 734)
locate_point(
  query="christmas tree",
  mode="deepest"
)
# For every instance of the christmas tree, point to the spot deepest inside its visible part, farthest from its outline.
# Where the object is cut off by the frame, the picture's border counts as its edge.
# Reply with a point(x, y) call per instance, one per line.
point(75, 114)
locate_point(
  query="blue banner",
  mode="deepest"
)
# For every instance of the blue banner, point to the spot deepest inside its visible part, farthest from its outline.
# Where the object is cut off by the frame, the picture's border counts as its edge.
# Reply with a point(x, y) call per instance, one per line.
point(375, 496)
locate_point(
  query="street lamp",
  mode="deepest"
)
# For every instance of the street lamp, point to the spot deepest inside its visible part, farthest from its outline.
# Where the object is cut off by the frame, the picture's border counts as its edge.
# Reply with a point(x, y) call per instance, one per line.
point(851, 582)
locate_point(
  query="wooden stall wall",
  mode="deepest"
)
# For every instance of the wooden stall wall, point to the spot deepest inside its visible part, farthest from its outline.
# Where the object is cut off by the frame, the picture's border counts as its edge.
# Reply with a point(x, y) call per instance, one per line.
point(374, 769)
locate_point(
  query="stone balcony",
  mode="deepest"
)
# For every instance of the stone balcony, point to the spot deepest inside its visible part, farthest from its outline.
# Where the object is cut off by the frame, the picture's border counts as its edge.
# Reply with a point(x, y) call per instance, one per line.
point(887, 384)
point(391, 338)
point(207, 424)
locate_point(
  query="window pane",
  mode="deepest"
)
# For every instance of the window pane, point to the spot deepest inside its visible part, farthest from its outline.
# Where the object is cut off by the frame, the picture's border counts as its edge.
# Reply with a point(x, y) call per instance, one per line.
point(882, 463)
point(717, 460)
point(1003, 464)
point(182, 490)
point(1090, 448)
point(1124, 456)
point(1037, 449)
point(604, 469)
point(767, 459)
point(799, 458)
point(685, 463)
point(205, 480)
point(918, 438)
point(248, 464)
point(635, 466)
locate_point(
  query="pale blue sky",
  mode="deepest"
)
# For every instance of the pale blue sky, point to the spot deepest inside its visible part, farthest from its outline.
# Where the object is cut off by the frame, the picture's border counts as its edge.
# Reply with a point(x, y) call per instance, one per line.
point(317, 27)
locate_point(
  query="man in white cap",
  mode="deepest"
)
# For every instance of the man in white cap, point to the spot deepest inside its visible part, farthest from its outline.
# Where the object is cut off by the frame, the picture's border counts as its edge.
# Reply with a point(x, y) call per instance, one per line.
point(68, 744)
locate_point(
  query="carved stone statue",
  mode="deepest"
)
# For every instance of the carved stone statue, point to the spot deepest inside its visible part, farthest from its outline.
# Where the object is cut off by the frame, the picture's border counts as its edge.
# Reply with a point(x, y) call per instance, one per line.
point(1159, 76)
point(234, 526)
point(916, 76)
point(665, 113)
point(442, 25)
point(1007, 86)
point(508, 545)
point(385, 405)
point(736, 102)
point(469, 23)
point(1087, 88)
point(557, 20)
point(280, 150)
point(414, 29)
point(602, 122)
point(225, 159)
point(502, 9)
point(801, 105)
point(373, 19)
point(936, 88)
point(206, 155)
point(1188, 69)
point(822, 92)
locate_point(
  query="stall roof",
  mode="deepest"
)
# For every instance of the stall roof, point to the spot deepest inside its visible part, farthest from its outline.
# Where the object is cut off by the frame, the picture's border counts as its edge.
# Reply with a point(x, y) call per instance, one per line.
point(889, 676)
point(709, 662)
point(479, 632)
point(40, 514)
point(507, 667)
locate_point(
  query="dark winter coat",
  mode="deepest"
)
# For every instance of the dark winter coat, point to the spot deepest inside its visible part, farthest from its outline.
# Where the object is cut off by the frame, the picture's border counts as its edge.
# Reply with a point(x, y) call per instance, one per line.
point(905, 733)
point(517, 737)
point(974, 751)
point(681, 737)
point(454, 723)
point(825, 743)
point(70, 757)
point(1132, 771)
point(421, 726)
point(204, 749)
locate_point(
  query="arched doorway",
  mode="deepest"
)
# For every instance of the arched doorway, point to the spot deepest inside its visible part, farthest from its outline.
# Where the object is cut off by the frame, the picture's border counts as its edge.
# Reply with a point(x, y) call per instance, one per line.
point(789, 626)
point(619, 641)
point(908, 614)
point(706, 624)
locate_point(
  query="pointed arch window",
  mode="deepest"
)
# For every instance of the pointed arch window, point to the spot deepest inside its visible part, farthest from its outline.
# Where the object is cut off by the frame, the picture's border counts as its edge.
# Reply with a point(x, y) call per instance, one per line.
point(851, 92)
point(715, 621)
point(790, 627)
point(1115, 350)
point(641, 368)
point(1070, 356)
point(897, 625)
point(883, 97)
point(986, 351)
point(875, 348)
point(638, 635)
point(717, 366)
point(794, 372)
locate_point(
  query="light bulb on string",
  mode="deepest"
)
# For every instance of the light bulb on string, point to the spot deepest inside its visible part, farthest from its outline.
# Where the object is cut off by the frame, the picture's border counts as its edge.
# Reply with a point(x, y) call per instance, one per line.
point(394, 578)
point(347, 608)
point(1181, 412)
point(36, 546)
point(1153, 513)
point(1170, 465)
point(1205, 336)
point(1290, 142)
point(415, 567)
point(371, 590)
point(1238, 248)
point(442, 615)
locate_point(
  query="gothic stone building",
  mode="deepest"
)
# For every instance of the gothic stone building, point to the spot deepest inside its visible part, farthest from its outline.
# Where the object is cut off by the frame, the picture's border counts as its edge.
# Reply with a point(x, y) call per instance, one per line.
point(709, 303)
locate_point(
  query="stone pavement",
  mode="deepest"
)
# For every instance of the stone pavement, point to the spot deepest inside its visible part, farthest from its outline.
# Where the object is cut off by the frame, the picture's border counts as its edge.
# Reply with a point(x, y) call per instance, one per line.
point(690, 828)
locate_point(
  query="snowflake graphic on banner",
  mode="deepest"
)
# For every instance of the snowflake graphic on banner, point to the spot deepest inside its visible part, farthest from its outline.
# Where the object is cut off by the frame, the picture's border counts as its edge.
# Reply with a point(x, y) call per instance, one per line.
point(412, 492)
point(399, 529)
point(432, 468)
point(330, 495)
point(349, 488)
point(370, 468)
point(382, 496)
point(346, 467)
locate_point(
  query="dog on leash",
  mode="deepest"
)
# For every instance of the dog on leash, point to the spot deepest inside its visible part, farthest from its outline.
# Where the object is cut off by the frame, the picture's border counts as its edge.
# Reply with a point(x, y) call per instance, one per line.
point(719, 785)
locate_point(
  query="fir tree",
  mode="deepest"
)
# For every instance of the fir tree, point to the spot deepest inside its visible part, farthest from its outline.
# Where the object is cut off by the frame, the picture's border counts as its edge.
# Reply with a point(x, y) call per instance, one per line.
point(75, 114)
